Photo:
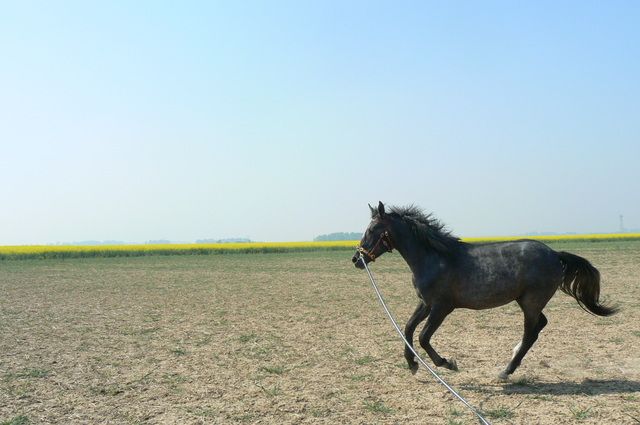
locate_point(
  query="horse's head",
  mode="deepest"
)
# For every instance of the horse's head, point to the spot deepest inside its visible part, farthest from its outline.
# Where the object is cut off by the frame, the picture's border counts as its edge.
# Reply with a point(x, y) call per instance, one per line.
point(376, 239)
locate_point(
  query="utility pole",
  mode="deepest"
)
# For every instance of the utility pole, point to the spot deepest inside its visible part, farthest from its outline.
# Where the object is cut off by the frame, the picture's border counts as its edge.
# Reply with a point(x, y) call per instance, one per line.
point(621, 223)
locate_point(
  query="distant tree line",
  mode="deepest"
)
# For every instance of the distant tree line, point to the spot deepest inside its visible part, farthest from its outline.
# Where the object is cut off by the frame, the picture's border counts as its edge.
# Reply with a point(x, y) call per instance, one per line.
point(339, 236)
point(227, 240)
point(91, 243)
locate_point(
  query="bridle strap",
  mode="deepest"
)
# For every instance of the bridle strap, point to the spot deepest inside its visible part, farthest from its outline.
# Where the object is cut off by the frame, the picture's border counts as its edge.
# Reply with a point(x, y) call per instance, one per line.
point(385, 239)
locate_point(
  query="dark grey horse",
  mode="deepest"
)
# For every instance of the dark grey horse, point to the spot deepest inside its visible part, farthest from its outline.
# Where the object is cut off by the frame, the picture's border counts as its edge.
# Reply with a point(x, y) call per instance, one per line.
point(449, 274)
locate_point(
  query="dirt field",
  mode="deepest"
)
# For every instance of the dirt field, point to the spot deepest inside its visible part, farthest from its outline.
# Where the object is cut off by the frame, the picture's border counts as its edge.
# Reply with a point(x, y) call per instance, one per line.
point(295, 338)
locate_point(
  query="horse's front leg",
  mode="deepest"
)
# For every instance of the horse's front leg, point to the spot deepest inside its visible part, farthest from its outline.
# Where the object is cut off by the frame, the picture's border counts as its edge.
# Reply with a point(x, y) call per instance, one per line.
point(421, 312)
point(437, 316)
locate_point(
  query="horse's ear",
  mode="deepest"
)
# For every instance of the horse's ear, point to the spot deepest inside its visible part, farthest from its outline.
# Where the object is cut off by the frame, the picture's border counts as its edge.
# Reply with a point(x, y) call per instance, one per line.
point(381, 212)
point(373, 211)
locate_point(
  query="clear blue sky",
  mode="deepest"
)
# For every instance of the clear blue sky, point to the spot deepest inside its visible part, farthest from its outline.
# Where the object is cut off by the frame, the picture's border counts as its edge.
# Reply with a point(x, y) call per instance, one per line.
point(282, 120)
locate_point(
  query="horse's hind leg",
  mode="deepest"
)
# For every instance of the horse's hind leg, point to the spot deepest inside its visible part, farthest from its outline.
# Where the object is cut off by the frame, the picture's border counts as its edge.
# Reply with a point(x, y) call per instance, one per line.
point(436, 317)
point(421, 312)
point(534, 322)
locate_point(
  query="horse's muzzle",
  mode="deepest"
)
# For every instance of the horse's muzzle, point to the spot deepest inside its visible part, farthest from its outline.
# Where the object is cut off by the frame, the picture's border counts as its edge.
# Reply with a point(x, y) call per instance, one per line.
point(357, 260)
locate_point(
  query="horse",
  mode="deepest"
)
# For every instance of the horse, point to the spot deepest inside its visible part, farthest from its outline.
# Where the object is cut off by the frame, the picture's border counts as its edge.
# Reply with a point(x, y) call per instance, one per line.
point(449, 273)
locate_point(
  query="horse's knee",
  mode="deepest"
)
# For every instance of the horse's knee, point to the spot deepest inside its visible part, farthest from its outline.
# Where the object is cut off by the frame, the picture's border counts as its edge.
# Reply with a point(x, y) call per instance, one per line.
point(408, 330)
point(424, 340)
point(542, 322)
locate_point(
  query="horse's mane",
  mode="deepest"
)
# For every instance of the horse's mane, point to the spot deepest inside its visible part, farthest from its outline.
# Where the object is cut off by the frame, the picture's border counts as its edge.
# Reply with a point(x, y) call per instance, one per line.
point(429, 230)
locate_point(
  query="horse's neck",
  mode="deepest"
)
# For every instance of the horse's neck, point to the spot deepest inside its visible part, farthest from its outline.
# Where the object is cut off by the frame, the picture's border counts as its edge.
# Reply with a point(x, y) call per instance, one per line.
point(417, 256)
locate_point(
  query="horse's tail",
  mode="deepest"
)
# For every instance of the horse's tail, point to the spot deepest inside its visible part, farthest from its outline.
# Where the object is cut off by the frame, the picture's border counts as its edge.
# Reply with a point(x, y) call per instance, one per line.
point(582, 281)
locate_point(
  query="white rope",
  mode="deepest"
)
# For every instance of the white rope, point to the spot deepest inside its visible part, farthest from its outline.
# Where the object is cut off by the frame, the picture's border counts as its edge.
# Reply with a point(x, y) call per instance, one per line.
point(433, 372)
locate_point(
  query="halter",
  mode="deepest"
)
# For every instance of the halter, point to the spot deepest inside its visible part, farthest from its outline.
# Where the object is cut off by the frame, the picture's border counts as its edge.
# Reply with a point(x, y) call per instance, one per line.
point(385, 239)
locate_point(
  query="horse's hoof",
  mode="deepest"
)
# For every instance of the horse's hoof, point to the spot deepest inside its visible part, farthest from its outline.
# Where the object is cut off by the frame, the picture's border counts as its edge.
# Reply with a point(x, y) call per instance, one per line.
point(412, 364)
point(452, 365)
point(503, 376)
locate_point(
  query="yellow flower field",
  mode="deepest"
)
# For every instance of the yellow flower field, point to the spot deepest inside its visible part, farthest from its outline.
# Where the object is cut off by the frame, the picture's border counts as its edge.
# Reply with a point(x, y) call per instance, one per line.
point(558, 238)
point(69, 251)
point(73, 251)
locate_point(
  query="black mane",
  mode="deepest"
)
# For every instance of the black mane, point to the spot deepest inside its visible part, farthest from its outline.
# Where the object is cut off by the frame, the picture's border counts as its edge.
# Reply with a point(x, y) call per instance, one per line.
point(429, 230)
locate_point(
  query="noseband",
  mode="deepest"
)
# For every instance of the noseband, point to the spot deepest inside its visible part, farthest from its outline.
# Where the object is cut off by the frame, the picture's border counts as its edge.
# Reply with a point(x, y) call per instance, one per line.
point(385, 239)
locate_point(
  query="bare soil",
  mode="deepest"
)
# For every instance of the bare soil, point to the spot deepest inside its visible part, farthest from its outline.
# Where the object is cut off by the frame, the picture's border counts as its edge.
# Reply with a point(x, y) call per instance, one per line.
point(295, 338)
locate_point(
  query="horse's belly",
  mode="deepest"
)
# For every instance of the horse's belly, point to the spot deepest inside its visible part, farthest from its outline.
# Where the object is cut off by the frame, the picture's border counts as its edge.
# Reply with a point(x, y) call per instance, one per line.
point(483, 295)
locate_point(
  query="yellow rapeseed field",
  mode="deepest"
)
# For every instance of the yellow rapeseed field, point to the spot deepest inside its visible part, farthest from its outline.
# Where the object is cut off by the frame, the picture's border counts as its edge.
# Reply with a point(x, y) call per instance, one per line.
point(557, 238)
point(70, 251)
point(240, 246)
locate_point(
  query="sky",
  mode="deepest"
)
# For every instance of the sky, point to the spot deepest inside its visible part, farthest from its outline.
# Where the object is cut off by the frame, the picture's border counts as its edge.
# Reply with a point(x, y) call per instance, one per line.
point(282, 120)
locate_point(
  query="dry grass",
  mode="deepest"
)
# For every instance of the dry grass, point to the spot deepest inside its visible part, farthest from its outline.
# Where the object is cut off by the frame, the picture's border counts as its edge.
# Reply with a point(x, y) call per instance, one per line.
point(294, 338)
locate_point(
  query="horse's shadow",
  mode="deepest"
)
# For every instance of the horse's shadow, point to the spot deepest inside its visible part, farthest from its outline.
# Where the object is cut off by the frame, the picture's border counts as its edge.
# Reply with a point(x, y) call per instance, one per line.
point(586, 387)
